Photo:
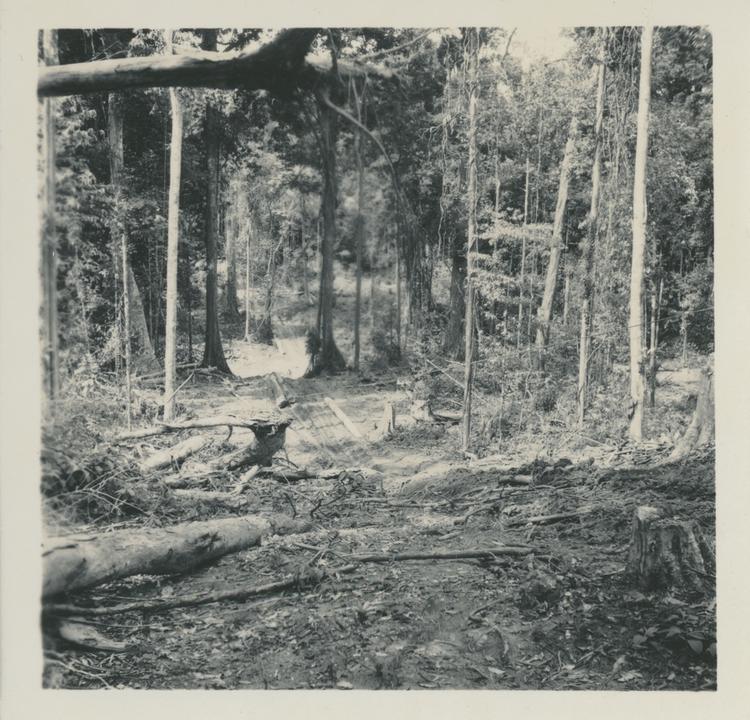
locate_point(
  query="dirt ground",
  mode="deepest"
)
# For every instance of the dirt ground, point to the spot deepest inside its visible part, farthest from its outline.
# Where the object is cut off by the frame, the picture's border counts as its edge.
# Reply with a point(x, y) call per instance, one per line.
point(561, 616)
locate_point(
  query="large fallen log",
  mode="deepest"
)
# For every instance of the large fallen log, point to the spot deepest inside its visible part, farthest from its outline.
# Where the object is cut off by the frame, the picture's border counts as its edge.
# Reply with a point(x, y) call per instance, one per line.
point(173, 456)
point(199, 423)
point(75, 563)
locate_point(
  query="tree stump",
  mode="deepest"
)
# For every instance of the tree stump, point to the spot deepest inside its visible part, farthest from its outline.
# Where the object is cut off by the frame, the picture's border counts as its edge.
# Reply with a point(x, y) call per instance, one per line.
point(668, 553)
point(388, 423)
point(421, 401)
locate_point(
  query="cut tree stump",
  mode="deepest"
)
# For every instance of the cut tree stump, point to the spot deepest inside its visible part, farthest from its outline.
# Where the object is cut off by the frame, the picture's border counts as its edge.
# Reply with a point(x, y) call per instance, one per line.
point(668, 553)
point(75, 563)
point(269, 439)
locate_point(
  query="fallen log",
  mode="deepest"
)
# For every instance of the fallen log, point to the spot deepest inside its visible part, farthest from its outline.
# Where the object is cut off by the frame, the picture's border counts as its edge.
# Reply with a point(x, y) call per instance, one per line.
point(341, 415)
point(174, 455)
point(547, 519)
point(298, 582)
point(200, 423)
point(75, 563)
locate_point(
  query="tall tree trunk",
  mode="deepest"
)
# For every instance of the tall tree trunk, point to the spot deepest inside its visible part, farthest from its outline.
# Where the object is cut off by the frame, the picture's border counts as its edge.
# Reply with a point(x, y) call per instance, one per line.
point(472, 52)
point(544, 315)
point(523, 256)
point(173, 240)
point(248, 278)
point(639, 241)
point(51, 366)
point(590, 246)
point(117, 229)
point(359, 229)
point(329, 357)
point(213, 352)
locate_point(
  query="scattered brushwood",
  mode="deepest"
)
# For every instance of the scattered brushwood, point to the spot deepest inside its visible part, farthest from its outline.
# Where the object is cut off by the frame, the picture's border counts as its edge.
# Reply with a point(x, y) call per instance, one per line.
point(74, 563)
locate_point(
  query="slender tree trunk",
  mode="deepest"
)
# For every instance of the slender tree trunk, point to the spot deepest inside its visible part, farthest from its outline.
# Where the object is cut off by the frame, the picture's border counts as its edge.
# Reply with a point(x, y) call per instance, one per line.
point(589, 248)
point(566, 296)
point(50, 339)
point(173, 240)
point(359, 225)
point(329, 357)
point(472, 52)
point(453, 341)
point(544, 315)
point(248, 279)
point(230, 287)
point(523, 257)
point(639, 241)
point(398, 287)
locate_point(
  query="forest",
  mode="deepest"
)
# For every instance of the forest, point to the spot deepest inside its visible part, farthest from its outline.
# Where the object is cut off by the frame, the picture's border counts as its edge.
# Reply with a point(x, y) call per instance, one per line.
point(377, 358)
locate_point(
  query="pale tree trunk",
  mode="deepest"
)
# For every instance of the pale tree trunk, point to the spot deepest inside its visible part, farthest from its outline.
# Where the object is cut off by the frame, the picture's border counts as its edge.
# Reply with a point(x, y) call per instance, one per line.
point(359, 228)
point(635, 320)
point(173, 240)
point(544, 315)
point(248, 278)
point(49, 232)
point(472, 52)
point(119, 236)
point(702, 427)
point(213, 352)
point(589, 248)
point(523, 257)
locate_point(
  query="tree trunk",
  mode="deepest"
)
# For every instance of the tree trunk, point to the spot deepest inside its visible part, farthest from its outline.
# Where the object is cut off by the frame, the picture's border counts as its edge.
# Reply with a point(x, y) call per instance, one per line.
point(453, 342)
point(173, 240)
point(472, 53)
point(329, 358)
point(589, 248)
point(701, 428)
point(51, 366)
point(248, 280)
point(668, 553)
point(544, 315)
point(144, 359)
point(119, 239)
point(639, 242)
point(523, 257)
point(359, 227)
point(70, 563)
point(213, 353)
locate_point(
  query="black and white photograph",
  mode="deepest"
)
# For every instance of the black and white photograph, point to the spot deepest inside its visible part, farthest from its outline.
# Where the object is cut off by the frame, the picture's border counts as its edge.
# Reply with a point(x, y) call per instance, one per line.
point(376, 358)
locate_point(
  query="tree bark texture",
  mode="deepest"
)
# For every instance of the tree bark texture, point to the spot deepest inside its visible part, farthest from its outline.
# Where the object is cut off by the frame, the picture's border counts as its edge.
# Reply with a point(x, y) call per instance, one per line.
point(589, 250)
point(637, 266)
point(73, 563)
point(472, 53)
point(173, 240)
point(544, 315)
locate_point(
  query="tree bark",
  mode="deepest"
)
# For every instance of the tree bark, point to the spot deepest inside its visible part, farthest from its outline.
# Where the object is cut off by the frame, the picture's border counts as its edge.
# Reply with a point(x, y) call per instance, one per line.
point(173, 240)
point(49, 232)
point(589, 248)
point(329, 358)
point(545, 310)
point(232, 305)
point(523, 257)
point(71, 563)
point(668, 553)
point(213, 353)
point(119, 239)
point(359, 228)
point(635, 320)
point(248, 280)
point(701, 428)
point(472, 54)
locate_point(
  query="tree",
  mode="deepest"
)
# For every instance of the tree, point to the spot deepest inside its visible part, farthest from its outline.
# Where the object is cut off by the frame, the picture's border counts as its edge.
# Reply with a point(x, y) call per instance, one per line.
point(472, 53)
point(49, 232)
point(173, 239)
point(213, 353)
point(590, 243)
point(544, 314)
point(635, 319)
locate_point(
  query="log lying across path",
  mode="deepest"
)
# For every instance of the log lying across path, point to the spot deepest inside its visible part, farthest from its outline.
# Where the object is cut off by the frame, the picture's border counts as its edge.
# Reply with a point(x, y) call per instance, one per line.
point(75, 563)
point(174, 455)
point(201, 423)
point(312, 577)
